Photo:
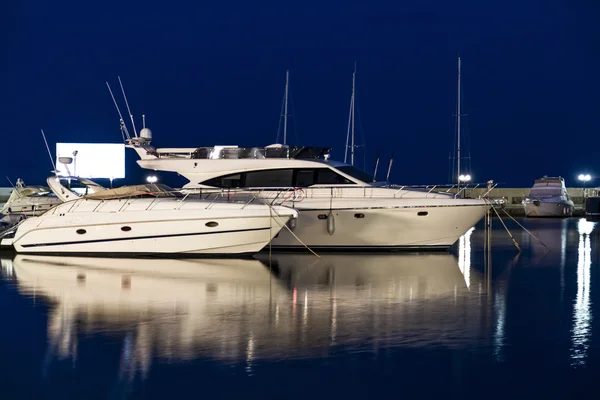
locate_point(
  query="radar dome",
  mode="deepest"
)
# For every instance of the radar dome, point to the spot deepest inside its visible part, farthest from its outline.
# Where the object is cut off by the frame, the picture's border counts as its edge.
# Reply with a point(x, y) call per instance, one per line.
point(146, 133)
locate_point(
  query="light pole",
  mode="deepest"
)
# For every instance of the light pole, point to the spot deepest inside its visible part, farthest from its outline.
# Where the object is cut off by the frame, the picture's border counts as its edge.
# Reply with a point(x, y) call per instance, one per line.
point(585, 178)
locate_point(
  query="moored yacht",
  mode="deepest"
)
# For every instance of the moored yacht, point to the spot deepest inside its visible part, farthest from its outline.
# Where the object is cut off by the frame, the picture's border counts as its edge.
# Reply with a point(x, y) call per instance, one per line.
point(548, 198)
point(340, 207)
point(148, 219)
point(27, 201)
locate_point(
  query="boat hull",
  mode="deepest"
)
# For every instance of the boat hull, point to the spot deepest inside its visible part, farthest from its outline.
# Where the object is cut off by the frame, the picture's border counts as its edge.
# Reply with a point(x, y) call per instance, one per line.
point(174, 232)
point(549, 209)
point(363, 229)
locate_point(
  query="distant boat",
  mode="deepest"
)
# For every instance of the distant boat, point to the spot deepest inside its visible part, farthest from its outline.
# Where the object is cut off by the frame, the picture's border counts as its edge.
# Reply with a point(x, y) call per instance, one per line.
point(591, 205)
point(548, 198)
point(29, 201)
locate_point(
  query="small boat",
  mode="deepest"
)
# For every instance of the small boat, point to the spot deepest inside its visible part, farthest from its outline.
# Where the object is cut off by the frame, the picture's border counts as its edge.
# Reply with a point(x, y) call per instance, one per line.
point(150, 219)
point(548, 198)
point(591, 205)
point(27, 201)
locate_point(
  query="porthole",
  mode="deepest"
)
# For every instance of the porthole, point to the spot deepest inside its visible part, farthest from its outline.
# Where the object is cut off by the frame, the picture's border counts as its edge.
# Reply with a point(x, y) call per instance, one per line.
point(125, 228)
point(81, 231)
point(359, 215)
point(422, 213)
point(322, 216)
point(212, 224)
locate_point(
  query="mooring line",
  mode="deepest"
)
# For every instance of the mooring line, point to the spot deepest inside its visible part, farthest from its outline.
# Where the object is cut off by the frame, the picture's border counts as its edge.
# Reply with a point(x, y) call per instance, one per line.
point(525, 229)
point(505, 227)
point(293, 234)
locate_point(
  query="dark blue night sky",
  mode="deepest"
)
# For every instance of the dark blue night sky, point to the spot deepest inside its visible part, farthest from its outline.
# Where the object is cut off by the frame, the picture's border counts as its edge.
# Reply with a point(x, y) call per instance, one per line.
point(208, 73)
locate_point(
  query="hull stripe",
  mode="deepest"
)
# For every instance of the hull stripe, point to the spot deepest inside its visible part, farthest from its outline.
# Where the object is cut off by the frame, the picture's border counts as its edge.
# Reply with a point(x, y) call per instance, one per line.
point(140, 238)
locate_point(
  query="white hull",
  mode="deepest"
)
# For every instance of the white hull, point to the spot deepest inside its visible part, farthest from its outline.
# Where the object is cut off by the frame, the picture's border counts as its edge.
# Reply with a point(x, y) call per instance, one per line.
point(150, 227)
point(385, 228)
point(558, 209)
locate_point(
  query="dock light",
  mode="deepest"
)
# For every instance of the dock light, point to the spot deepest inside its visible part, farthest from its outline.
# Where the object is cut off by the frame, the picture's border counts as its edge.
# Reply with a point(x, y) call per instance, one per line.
point(464, 178)
point(584, 177)
point(152, 179)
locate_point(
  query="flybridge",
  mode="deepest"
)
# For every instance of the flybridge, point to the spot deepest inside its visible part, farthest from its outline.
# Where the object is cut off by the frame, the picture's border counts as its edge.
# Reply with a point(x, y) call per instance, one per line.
point(235, 152)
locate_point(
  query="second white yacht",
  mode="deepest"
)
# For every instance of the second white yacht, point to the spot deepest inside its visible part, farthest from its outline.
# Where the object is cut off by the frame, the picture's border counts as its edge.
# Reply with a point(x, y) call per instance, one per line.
point(340, 207)
point(548, 198)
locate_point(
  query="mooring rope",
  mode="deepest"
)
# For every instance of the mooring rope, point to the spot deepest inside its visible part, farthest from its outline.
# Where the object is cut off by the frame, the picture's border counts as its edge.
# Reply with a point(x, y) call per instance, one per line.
point(293, 234)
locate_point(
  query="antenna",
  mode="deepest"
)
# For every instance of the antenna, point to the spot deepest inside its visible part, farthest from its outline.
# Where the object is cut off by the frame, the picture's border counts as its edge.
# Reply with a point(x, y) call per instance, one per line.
point(376, 165)
point(387, 177)
point(123, 126)
point(47, 148)
point(285, 112)
point(127, 104)
point(458, 130)
point(143, 121)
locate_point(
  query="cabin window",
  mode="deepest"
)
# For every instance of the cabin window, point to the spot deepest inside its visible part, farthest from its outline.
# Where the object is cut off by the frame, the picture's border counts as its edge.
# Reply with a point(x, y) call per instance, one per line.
point(359, 215)
point(125, 228)
point(322, 216)
point(422, 213)
point(305, 177)
point(279, 178)
point(212, 224)
point(227, 181)
point(81, 231)
point(326, 176)
point(269, 178)
point(355, 173)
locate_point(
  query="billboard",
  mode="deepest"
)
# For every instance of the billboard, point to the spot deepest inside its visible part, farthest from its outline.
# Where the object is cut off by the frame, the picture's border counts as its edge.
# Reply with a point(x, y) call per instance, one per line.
point(91, 160)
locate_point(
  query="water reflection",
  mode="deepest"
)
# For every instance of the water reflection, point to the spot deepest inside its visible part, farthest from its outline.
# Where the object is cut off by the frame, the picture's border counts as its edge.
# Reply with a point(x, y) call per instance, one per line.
point(246, 310)
point(464, 255)
point(582, 316)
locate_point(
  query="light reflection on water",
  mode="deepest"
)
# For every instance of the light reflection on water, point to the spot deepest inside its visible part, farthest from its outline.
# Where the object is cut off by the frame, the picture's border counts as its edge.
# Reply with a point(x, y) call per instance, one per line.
point(582, 315)
point(296, 307)
point(244, 310)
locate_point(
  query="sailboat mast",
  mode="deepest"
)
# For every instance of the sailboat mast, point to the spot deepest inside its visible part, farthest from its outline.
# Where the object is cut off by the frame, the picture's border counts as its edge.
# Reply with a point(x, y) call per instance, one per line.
point(285, 111)
point(353, 106)
point(458, 128)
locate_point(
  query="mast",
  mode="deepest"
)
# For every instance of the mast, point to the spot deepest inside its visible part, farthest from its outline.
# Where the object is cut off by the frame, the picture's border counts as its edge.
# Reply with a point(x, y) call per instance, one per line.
point(285, 112)
point(458, 129)
point(353, 106)
point(350, 133)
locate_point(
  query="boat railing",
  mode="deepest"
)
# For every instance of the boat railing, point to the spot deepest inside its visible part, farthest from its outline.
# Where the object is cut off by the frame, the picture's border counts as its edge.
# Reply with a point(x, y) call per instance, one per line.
point(279, 196)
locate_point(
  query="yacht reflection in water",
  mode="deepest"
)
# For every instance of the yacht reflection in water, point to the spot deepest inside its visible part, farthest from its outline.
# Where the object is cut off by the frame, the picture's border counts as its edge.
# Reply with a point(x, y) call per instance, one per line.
point(244, 310)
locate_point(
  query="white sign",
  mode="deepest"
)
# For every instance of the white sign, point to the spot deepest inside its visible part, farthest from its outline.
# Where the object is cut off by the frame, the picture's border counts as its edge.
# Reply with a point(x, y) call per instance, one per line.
point(91, 160)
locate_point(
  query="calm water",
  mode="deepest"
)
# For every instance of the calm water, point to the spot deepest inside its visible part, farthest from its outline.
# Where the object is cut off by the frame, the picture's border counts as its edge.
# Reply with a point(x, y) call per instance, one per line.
point(461, 325)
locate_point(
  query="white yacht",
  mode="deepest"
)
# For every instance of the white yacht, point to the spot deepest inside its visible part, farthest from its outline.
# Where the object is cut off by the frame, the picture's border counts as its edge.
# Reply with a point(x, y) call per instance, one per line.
point(148, 220)
point(340, 207)
point(548, 198)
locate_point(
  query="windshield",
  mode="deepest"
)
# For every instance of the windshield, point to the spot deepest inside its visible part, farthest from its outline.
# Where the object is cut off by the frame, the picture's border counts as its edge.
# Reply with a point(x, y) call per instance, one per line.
point(355, 173)
point(545, 192)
